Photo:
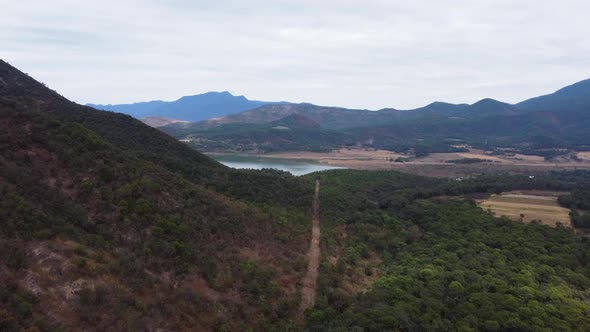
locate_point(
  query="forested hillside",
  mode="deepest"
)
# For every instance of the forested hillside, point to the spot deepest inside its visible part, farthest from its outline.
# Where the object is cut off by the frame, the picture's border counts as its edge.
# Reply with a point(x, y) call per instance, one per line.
point(405, 253)
point(110, 223)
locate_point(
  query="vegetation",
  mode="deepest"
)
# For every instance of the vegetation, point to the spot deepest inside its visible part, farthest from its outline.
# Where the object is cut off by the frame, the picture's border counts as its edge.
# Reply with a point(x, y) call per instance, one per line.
point(579, 203)
point(102, 200)
point(110, 224)
point(528, 208)
point(467, 161)
point(449, 266)
point(443, 263)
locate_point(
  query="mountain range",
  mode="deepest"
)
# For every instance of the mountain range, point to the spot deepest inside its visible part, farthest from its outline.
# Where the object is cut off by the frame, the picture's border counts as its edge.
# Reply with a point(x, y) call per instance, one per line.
point(554, 121)
point(189, 108)
point(220, 108)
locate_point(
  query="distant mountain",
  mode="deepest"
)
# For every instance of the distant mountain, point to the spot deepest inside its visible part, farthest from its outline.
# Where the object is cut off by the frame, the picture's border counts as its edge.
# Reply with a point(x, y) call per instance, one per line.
point(575, 97)
point(296, 121)
point(338, 118)
point(482, 108)
point(533, 124)
point(488, 106)
point(156, 121)
point(440, 107)
point(189, 108)
point(136, 110)
point(328, 117)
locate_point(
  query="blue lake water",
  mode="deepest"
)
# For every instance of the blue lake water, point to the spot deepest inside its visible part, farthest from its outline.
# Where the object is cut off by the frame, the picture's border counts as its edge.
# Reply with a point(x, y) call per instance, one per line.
point(252, 162)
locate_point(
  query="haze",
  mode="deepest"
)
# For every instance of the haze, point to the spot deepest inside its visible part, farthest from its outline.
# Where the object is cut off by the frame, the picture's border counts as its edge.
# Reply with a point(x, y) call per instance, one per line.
point(357, 54)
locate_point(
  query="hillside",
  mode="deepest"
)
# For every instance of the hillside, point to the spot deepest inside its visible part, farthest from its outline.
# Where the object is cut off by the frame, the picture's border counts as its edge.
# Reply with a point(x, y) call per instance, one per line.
point(291, 133)
point(189, 108)
point(575, 97)
point(522, 132)
point(328, 117)
point(452, 267)
point(110, 223)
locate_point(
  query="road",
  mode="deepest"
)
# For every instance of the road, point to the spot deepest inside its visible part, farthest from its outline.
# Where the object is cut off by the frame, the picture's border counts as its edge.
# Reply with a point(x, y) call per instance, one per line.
point(310, 281)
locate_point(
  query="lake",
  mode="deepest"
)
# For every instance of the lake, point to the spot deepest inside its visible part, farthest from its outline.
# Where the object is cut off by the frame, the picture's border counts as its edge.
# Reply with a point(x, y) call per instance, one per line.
point(253, 162)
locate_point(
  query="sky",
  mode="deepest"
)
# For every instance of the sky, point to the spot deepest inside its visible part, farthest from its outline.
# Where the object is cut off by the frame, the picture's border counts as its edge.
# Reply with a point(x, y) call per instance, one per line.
point(367, 54)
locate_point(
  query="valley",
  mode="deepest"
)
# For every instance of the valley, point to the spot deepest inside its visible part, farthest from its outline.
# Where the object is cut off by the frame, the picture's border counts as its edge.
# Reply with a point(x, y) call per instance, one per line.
point(469, 163)
point(109, 224)
point(294, 166)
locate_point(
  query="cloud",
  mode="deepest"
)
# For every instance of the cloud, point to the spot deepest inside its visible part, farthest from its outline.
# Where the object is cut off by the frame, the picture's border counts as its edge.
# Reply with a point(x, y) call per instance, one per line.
point(363, 54)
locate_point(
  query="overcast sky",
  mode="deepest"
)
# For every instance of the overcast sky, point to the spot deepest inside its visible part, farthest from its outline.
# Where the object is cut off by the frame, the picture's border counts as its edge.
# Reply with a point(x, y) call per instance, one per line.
point(361, 54)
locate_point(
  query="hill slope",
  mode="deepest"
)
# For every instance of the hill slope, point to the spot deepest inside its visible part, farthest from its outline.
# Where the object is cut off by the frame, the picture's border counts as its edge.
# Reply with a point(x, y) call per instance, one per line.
point(575, 97)
point(328, 117)
point(111, 223)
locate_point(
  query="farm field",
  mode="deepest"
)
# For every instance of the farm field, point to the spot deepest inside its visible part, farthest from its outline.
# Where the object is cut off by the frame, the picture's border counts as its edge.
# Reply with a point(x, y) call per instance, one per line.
point(528, 206)
point(435, 164)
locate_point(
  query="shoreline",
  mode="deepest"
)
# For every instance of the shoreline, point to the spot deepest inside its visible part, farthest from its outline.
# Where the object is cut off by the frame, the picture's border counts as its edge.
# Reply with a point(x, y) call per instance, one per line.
point(435, 164)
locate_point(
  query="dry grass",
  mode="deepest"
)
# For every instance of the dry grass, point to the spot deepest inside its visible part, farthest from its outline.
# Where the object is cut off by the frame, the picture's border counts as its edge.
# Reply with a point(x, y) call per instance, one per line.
point(343, 154)
point(542, 207)
point(435, 164)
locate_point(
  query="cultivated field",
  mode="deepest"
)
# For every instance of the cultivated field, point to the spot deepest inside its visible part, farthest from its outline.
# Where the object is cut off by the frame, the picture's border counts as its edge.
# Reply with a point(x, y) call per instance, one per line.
point(436, 164)
point(528, 206)
point(343, 155)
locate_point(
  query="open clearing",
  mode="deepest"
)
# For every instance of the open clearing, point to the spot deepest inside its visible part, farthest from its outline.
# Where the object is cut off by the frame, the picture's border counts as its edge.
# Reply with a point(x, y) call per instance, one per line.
point(528, 206)
point(310, 281)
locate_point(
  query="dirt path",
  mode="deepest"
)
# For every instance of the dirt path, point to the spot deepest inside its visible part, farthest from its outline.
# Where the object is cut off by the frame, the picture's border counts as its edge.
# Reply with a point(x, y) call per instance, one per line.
point(310, 281)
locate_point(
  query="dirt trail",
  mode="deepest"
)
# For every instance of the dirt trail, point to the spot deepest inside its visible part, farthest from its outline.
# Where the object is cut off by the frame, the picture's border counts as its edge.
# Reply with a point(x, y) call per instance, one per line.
point(310, 281)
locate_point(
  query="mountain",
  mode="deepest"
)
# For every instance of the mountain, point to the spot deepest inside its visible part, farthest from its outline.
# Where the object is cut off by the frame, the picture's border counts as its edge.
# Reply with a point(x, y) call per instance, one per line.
point(338, 118)
point(189, 108)
point(524, 132)
point(136, 110)
point(555, 121)
point(328, 117)
point(488, 106)
point(108, 223)
point(296, 121)
point(436, 108)
point(575, 97)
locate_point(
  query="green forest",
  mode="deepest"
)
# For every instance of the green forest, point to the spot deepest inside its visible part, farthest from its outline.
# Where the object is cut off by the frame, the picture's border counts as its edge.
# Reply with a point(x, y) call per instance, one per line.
point(444, 264)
